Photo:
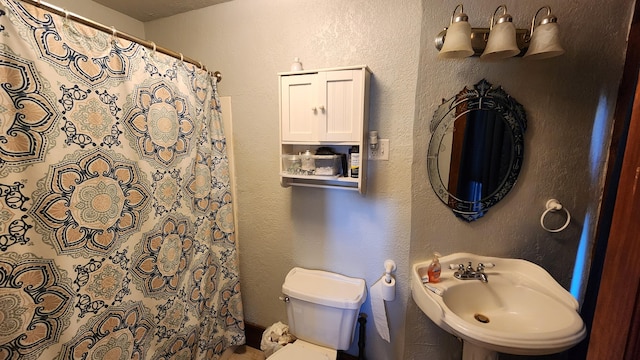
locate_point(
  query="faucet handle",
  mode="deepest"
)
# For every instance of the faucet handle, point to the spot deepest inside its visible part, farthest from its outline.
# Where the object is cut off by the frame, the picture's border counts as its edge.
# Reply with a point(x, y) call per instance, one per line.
point(456, 267)
point(482, 266)
point(470, 267)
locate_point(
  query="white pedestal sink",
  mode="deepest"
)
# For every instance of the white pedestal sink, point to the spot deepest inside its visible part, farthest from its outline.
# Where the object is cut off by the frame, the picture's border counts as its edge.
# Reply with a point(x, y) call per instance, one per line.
point(521, 310)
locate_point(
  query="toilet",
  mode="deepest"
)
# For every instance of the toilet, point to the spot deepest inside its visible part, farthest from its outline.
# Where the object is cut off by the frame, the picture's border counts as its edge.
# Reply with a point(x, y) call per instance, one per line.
point(322, 309)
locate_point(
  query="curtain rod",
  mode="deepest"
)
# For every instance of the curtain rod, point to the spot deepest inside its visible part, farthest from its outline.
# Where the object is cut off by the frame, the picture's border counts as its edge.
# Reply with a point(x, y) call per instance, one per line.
point(113, 31)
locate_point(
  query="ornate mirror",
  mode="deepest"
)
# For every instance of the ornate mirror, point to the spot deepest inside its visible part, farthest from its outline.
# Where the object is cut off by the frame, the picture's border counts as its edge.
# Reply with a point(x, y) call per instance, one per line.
point(476, 149)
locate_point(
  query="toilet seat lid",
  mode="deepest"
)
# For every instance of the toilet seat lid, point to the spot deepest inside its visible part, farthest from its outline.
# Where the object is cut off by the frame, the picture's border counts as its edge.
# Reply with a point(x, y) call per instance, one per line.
point(303, 350)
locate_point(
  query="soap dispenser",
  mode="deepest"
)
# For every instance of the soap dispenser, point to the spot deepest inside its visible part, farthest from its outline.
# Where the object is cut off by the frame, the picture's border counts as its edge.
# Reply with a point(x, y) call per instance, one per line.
point(434, 269)
point(296, 65)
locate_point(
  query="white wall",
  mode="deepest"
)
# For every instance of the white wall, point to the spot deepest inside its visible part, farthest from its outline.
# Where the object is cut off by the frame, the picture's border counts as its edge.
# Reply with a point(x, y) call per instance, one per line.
point(569, 103)
point(250, 41)
point(102, 14)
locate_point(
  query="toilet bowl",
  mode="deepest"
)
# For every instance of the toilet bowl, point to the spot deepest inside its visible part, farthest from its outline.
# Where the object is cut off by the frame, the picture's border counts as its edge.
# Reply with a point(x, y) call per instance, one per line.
point(322, 309)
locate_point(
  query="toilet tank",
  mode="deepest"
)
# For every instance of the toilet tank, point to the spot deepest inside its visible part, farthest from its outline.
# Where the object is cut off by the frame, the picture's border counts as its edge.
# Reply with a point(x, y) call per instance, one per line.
point(322, 306)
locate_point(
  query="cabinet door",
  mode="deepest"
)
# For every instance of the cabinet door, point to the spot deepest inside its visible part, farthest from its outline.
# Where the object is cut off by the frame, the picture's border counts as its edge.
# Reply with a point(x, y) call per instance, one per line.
point(298, 107)
point(341, 92)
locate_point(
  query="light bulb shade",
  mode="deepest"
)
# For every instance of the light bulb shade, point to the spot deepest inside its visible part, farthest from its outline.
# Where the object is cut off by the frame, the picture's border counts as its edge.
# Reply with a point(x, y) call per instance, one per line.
point(457, 41)
point(545, 42)
point(502, 42)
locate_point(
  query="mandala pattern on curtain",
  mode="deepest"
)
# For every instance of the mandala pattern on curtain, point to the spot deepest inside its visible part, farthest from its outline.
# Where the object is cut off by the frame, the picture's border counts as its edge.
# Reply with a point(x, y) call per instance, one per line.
point(116, 218)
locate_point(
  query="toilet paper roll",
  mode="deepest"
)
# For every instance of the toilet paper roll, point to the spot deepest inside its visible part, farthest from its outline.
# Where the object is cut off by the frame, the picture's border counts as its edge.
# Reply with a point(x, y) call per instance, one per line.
point(381, 291)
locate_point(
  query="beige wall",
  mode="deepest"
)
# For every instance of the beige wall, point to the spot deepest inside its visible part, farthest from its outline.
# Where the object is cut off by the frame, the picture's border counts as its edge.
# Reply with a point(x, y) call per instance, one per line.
point(569, 103)
point(250, 41)
point(102, 14)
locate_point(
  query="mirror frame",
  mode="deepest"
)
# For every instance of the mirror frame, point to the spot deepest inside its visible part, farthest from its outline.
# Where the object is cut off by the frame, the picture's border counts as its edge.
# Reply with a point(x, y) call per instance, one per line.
point(483, 97)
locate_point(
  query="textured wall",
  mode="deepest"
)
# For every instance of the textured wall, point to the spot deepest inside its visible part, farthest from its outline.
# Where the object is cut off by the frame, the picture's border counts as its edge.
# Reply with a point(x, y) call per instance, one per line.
point(250, 41)
point(569, 102)
point(103, 15)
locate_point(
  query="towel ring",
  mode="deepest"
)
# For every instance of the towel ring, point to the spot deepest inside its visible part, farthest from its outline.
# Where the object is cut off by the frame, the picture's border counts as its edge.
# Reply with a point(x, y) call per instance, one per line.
point(554, 205)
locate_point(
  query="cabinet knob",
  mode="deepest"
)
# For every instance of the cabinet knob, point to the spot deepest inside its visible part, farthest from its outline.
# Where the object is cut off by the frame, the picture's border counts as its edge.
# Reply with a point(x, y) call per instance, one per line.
point(321, 107)
point(314, 109)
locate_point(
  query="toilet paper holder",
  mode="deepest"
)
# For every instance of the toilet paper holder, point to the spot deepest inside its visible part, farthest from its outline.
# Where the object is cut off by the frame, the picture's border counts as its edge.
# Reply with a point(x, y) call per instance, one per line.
point(383, 290)
point(389, 267)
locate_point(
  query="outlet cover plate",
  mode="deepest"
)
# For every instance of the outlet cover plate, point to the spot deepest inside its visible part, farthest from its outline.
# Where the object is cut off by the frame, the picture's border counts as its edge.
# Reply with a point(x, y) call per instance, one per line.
point(382, 152)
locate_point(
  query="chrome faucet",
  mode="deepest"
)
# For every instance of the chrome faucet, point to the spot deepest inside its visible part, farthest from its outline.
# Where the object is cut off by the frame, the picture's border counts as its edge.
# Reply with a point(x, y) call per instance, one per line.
point(469, 273)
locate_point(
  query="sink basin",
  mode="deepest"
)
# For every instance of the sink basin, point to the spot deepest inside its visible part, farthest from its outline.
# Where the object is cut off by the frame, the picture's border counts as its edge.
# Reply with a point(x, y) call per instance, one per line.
point(521, 310)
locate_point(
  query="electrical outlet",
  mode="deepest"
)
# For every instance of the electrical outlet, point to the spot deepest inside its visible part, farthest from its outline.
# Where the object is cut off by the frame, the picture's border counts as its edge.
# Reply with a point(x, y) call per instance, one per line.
point(381, 152)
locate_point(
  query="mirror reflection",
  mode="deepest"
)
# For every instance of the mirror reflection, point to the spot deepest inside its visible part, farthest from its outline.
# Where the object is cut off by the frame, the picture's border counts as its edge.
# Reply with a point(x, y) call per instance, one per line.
point(476, 149)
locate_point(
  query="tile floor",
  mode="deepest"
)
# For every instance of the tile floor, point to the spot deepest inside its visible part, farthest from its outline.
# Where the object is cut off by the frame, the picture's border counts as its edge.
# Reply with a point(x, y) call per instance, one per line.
point(243, 352)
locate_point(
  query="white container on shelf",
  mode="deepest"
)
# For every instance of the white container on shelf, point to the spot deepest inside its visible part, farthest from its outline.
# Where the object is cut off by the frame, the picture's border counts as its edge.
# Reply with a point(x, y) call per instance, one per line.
point(327, 164)
point(291, 164)
point(308, 162)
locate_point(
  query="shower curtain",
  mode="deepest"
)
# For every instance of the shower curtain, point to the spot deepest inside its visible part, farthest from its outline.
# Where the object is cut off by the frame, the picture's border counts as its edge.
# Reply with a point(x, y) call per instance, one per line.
point(116, 222)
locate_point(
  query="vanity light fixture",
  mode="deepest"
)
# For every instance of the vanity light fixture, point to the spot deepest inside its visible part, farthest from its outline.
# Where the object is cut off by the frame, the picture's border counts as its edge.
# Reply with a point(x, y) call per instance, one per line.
point(458, 41)
point(501, 39)
point(545, 40)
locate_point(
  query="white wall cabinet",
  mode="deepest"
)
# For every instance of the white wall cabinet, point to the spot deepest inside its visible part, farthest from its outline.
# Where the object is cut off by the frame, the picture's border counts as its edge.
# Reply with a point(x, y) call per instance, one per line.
point(324, 108)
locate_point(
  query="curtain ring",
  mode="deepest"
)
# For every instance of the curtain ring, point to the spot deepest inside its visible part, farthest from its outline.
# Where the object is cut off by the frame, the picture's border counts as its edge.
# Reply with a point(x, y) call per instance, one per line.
point(65, 21)
point(201, 66)
point(181, 57)
point(153, 44)
point(114, 35)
